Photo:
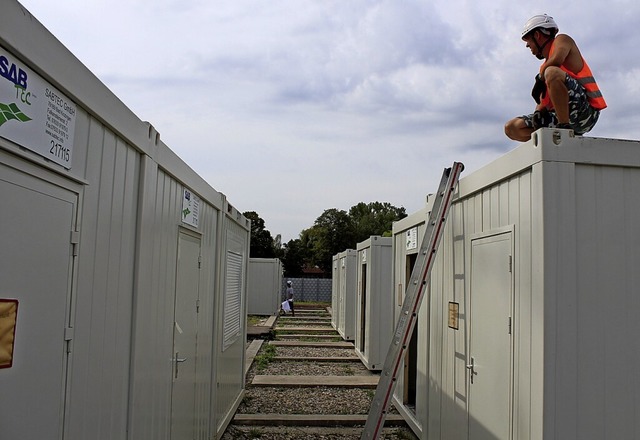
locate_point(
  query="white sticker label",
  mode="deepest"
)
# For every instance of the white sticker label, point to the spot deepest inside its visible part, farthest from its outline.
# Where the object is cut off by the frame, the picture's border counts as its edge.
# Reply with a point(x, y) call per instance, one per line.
point(190, 208)
point(34, 114)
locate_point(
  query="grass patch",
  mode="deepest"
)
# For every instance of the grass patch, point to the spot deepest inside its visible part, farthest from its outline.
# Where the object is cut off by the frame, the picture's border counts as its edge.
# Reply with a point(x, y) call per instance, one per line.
point(348, 371)
point(313, 303)
point(267, 355)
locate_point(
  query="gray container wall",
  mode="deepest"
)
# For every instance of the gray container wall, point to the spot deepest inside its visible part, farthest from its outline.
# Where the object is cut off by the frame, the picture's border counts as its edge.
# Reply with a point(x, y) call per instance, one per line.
point(375, 301)
point(123, 198)
point(265, 283)
point(567, 210)
point(347, 294)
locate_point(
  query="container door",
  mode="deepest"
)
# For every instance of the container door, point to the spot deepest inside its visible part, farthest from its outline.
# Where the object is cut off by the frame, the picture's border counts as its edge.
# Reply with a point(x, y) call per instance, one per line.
point(183, 398)
point(362, 341)
point(489, 366)
point(411, 356)
point(36, 261)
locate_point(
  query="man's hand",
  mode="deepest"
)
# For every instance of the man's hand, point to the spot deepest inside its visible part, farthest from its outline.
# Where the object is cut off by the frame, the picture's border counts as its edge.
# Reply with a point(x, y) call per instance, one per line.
point(539, 89)
point(541, 118)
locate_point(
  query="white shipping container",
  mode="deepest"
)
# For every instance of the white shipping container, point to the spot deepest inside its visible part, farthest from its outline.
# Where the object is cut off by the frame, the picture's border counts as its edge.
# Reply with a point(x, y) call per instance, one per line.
point(533, 298)
point(130, 269)
point(375, 301)
point(265, 285)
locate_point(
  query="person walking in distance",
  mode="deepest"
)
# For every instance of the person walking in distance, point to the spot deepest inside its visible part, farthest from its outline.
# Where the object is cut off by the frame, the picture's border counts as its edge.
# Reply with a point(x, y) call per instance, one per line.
point(565, 90)
point(289, 296)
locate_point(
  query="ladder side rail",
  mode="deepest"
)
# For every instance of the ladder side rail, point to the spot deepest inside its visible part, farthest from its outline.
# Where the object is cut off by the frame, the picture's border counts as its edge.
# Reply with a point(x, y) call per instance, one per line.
point(413, 298)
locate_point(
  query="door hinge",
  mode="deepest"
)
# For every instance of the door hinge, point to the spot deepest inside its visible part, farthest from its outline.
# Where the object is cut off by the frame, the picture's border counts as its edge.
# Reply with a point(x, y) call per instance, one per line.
point(199, 261)
point(197, 306)
point(510, 263)
point(510, 327)
point(75, 239)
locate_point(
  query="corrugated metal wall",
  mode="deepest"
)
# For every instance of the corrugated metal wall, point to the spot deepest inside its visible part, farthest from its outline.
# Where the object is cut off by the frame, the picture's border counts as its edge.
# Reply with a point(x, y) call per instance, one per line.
point(591, 300)
point(104, 294)
point(155, 302)
point(493, 208)
point(229, 379)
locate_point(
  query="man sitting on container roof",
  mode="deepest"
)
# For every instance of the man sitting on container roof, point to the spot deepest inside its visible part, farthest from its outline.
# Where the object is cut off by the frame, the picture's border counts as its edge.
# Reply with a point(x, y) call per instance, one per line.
point(565, 90)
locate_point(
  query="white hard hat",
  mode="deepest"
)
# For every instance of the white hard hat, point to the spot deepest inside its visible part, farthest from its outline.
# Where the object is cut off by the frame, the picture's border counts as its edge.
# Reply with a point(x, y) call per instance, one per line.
point(288, 281)
point(539, 21)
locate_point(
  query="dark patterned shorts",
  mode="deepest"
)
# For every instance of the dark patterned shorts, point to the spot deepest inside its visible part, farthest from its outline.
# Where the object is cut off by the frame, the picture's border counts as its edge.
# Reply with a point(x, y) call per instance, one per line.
point(582, 116)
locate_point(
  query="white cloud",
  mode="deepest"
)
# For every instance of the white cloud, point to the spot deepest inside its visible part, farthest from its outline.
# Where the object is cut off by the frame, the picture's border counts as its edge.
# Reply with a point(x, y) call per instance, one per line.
point(291, 107)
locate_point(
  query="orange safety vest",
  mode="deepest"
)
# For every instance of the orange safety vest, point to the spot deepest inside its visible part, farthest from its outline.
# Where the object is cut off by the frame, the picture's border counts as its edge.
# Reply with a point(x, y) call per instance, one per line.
point(586, 79)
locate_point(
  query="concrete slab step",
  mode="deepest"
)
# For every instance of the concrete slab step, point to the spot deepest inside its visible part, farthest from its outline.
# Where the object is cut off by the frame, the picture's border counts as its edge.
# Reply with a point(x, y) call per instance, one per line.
point(341, 344)
point(258, 331)
point(305, 317)
point(286, 325)
point(311, 420)
point(301, 336)
point(318, 358)
point(368, 381)
point(316, 329)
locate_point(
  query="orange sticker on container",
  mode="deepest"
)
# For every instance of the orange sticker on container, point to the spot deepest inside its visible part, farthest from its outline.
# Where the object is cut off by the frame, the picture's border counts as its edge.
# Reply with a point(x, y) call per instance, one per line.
point(8, 318)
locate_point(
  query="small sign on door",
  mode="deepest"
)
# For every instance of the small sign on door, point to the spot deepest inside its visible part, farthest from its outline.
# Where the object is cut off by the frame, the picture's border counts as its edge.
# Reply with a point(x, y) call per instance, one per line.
point(8, 318)
point(454, 308)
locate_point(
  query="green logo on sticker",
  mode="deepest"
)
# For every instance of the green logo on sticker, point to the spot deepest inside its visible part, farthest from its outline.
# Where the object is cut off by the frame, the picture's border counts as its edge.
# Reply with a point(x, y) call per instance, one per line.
point(11, 111)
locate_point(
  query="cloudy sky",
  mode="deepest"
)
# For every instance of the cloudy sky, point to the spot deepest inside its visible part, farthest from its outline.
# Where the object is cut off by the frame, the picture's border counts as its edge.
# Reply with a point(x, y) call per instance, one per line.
point(292, 107)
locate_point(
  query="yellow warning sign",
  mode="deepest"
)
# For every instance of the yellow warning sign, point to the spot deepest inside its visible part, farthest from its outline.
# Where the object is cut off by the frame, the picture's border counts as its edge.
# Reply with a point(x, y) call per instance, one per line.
point(8, 317)
point(454, 313)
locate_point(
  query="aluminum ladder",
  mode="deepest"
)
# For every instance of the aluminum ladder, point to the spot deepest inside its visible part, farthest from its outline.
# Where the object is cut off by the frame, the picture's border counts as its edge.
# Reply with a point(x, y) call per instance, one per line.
point(412, 300)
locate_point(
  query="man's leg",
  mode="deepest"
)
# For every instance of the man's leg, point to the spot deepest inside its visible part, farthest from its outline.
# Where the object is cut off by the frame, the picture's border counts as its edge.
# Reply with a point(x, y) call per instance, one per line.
point(558, 93)
point(518, 130)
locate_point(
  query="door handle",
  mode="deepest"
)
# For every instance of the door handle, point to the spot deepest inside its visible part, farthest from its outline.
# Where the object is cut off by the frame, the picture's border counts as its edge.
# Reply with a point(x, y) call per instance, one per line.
point(178, 360)
point(471, 368)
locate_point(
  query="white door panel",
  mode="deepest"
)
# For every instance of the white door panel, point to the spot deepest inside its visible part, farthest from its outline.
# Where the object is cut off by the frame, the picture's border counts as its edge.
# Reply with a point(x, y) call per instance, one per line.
point(36, 220)
point(489, 364)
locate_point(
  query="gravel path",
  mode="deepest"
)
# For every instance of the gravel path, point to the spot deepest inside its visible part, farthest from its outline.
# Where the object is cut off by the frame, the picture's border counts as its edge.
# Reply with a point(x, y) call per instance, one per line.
point(321, 400)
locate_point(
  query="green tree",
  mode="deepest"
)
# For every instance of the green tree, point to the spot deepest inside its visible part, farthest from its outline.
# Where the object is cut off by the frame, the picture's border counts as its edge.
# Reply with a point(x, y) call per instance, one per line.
point(331, 233)
point(336, 230)
point(261, 241)
point(375, 218)
point(294, 258)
